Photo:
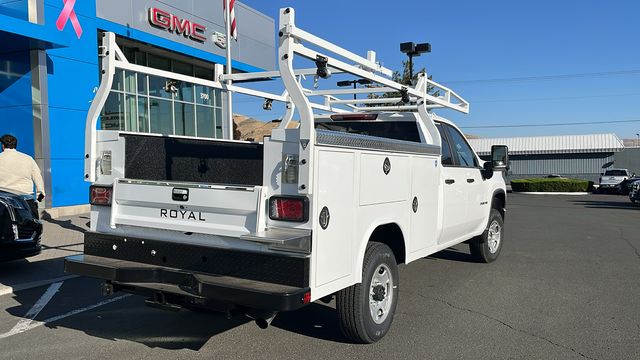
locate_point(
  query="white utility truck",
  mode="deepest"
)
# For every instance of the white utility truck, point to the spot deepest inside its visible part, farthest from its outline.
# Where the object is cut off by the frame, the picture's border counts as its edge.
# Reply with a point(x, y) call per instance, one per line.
point(329, 208)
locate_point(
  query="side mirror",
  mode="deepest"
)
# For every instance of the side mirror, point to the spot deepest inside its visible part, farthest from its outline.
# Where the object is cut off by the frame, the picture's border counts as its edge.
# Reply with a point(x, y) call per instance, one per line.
point(500, 158)
point(487, 170)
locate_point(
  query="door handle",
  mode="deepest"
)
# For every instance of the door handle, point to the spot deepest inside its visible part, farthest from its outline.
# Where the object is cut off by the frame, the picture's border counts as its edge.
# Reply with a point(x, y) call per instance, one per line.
point(449, 181)
point(470, 180)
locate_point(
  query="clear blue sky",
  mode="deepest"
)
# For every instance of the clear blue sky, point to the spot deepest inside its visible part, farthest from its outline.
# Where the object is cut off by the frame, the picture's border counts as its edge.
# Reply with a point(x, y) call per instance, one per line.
point(596, 44)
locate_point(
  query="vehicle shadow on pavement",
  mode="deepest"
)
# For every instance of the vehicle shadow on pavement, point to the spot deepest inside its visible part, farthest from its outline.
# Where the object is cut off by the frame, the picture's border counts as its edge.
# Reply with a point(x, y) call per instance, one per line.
point(453, 254)
point(14, 273)
point(320, 322)
point(130, 320)
point(65, 224)
point(601, 204)
point(153, 328)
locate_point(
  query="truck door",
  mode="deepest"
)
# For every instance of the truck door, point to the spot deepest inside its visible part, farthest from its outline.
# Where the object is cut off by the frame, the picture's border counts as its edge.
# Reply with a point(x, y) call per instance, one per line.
point(473, 183)
point(465, 171)
point(454, 199)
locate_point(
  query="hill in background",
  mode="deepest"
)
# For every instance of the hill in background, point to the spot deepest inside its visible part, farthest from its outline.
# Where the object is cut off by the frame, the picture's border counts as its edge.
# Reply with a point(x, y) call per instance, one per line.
point(254, 130)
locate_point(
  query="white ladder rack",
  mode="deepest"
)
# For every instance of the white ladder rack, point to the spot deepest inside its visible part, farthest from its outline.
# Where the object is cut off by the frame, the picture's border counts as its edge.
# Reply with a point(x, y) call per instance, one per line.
point(329, 58)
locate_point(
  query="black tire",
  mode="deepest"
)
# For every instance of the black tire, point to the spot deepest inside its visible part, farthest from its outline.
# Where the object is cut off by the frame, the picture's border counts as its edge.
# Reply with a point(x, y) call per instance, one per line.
point(483, 248)
point(355, 315)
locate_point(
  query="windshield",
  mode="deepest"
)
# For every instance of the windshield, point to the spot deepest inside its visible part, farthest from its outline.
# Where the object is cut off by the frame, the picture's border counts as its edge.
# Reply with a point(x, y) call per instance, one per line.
point(615, 173)
point(398, 130)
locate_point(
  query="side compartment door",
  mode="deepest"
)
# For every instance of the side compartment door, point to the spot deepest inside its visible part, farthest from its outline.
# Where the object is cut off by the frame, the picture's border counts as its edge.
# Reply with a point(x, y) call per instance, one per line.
point(424, 201)
point(334, 190)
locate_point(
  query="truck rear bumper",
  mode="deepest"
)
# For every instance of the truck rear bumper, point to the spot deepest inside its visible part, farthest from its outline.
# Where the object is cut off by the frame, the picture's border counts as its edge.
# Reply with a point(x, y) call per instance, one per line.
point(143, 279)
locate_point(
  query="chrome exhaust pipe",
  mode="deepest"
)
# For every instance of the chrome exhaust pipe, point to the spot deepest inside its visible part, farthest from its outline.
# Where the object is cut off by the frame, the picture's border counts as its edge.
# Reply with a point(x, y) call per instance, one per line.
point(264, 321)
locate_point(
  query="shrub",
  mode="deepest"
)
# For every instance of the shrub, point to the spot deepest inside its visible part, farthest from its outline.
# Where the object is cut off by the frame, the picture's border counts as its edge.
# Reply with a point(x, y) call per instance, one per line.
point(550, 185)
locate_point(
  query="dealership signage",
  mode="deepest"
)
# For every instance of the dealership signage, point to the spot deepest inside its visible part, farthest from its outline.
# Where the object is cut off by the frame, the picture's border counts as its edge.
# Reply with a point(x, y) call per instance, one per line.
point(172, 23)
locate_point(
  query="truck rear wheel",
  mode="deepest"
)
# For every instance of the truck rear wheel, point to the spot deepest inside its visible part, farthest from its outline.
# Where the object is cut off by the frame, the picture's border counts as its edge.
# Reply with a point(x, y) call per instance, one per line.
point(486, 247)
point(366, 310)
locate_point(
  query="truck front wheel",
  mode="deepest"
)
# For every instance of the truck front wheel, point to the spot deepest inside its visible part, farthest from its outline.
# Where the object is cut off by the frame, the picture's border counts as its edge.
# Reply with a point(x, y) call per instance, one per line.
point(366, 310)
point(486, 247)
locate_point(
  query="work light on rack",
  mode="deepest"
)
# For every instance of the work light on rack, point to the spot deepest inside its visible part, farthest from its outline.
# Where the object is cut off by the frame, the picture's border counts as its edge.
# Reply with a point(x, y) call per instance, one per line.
point(322, 70)
point(268, 104)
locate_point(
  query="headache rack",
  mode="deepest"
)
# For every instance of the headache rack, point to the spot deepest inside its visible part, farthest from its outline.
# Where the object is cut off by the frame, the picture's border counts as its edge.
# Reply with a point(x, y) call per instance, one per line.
point(327, 57)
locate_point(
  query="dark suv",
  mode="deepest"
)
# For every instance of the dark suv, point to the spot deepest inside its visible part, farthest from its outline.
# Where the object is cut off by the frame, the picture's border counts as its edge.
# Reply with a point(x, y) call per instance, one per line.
point(634, 192)
point(20, 232)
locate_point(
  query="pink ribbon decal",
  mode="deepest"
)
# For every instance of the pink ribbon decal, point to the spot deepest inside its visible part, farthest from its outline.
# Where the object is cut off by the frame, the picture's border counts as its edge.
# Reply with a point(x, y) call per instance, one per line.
point(69, 14)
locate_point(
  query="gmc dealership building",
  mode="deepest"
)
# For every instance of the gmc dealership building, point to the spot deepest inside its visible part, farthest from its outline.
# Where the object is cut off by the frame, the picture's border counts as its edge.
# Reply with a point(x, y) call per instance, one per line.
point(49, 71)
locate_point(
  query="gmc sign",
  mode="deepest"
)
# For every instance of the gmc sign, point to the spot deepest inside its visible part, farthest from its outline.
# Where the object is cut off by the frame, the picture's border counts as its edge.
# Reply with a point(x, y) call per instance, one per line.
point(166, 21)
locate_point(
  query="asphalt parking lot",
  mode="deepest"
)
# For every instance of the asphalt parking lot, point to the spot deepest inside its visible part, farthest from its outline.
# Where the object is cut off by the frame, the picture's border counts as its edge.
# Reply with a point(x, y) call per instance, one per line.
point(566, 286)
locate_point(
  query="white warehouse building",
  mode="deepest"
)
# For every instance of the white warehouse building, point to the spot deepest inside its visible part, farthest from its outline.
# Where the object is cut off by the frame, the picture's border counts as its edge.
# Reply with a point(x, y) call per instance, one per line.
point(575, 156)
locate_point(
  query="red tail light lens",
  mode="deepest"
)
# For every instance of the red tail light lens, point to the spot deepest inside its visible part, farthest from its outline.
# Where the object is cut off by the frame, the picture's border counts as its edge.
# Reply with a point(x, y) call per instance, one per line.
point(306, 298)
point(100, 195)
point(289, 208)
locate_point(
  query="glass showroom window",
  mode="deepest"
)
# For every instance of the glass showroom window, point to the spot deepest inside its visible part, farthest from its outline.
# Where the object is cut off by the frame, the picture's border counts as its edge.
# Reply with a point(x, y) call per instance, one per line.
point(143, 103)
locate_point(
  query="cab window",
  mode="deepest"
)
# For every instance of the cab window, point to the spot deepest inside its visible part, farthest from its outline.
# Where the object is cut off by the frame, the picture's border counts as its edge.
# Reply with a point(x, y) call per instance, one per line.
point(397, 130)
point(462, 153)
point(616, 173)
point(447, 159)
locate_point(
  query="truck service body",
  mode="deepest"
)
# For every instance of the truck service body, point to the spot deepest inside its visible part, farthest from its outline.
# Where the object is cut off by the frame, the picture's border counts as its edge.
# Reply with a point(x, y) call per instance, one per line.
point(328, 208)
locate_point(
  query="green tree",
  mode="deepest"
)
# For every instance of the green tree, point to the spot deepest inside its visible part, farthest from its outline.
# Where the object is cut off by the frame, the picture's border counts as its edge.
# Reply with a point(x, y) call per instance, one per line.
point(403, 78)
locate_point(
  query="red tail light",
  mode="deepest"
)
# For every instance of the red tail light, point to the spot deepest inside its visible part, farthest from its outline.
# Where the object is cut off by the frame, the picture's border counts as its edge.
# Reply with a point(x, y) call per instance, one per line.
point(100, 195)
point(289, 208)
point(306, 298)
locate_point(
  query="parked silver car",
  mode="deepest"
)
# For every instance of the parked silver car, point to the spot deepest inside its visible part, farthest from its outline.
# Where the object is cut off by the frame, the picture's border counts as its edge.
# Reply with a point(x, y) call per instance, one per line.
point(611, 179)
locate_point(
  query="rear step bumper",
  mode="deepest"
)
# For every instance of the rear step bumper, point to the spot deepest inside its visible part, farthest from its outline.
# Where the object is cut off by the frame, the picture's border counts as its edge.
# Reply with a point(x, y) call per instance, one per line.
point(224, 289)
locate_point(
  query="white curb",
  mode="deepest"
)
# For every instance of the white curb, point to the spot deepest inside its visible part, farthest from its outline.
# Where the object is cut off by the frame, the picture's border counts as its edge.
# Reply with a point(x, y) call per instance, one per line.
point(551, 193)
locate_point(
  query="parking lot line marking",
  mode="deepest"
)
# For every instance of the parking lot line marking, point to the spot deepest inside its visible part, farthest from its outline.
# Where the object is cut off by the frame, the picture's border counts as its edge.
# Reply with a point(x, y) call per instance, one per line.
point(23, 324)
point(35, 284)
point(35, 324)
point(7, 290)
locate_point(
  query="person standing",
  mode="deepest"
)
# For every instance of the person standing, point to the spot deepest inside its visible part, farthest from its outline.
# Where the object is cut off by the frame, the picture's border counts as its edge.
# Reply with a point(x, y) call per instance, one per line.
point(19, 172)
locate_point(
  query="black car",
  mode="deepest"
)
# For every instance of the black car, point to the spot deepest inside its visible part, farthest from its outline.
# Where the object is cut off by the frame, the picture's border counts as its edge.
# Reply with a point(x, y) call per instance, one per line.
point(625, 186)
point(20, 232)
